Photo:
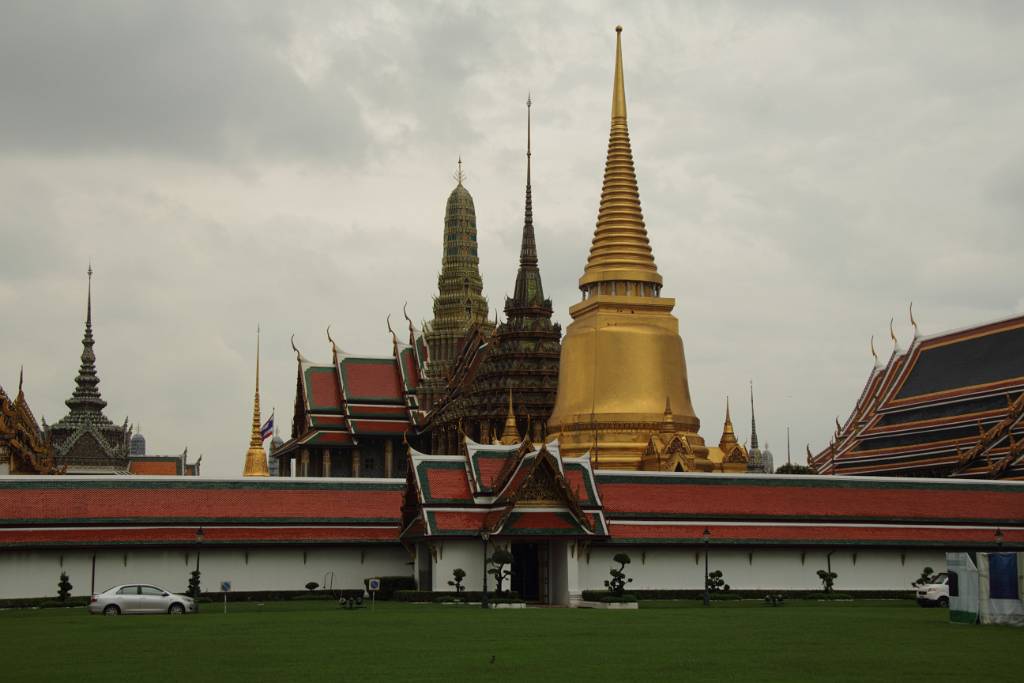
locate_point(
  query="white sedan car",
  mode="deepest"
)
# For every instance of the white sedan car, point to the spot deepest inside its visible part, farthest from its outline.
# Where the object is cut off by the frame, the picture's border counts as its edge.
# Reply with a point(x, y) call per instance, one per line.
point(139, 598)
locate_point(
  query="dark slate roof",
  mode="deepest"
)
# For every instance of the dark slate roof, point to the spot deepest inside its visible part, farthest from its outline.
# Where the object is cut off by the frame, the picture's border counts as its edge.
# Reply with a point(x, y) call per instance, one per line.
point(929, 405)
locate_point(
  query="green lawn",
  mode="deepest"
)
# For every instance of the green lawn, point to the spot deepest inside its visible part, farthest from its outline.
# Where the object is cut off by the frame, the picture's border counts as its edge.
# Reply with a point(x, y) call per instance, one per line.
point(740, 641)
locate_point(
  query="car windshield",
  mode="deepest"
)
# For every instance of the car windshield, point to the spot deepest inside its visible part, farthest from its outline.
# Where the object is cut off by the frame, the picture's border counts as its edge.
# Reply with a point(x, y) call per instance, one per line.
point(942, 578)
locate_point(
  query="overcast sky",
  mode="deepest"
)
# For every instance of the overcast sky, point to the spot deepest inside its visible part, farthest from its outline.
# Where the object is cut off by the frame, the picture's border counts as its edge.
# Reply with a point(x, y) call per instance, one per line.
point(806, 170)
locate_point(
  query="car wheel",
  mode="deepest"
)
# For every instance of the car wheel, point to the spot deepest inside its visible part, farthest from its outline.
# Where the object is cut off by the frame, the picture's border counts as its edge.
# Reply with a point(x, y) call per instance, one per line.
point(111, 611)
point(943, 602)
point(176, 608)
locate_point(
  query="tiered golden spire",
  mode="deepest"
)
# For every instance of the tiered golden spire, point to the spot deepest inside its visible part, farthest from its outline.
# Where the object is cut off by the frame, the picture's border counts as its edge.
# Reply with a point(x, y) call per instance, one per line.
point(620, 251)
point(622, 373)
point(728, 440)
point(256, 457)
point(510, 436)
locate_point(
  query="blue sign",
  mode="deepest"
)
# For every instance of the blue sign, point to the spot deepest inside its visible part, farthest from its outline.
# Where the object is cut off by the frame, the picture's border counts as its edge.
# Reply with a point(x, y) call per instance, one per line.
point(373, 585)
point(225, 586)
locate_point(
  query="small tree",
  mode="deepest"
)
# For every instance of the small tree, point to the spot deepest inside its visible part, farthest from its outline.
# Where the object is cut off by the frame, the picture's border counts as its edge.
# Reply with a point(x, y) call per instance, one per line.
point(312, 586)
point(64, 587)
point(499, 559)
point(827, 579)
point(193, 584)
point(618, 582)
point(716, 583)
point(458, 575)
point(926, 577)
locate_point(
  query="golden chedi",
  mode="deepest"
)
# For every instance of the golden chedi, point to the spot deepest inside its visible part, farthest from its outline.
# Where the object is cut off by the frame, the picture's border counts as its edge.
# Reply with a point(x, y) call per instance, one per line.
point(622, 378)
point(256, 457)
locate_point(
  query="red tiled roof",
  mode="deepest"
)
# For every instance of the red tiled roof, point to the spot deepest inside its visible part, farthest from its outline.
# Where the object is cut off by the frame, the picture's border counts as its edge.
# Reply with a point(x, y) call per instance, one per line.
point(213, 535)
point(466, 522)
point(324, 392)
point(688, 496)
point(380, 427)
point(158, 467)
point(448, 484)
point(367, 378)
point(127, 500)
point(814, 534)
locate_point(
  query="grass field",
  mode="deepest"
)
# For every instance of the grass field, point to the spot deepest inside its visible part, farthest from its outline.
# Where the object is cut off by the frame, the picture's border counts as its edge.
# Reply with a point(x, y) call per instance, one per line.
point(740, 641)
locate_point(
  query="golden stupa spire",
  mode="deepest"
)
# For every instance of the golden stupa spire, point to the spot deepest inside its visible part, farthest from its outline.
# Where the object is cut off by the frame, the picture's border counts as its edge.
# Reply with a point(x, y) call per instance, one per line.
point(256, 457)
point(728, 439)
point(620, 253)
point(510, 436)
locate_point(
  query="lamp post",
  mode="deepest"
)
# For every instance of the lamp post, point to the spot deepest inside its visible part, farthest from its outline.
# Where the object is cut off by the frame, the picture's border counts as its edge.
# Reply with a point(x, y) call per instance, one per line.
point(999, 539)
point(706, 539)
point(484, 536)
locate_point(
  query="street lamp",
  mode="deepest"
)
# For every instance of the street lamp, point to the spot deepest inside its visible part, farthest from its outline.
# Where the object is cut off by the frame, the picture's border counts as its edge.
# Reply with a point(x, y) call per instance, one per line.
point(706, 539)
point(485, 536)
point(999, 538)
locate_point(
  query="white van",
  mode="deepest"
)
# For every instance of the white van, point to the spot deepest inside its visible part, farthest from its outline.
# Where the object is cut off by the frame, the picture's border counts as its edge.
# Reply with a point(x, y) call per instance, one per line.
point(934, 593)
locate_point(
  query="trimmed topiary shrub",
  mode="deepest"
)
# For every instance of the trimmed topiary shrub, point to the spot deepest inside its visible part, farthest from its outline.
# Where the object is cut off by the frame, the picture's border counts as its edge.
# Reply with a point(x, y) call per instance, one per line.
point(498, 561)
point(458, 574)
point(64, 587)
point(617, 584)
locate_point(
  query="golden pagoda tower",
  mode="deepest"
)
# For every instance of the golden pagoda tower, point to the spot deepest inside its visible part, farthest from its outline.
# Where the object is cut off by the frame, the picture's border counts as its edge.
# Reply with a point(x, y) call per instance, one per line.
point(256, 457)
point(510, 435)
point(623, 374)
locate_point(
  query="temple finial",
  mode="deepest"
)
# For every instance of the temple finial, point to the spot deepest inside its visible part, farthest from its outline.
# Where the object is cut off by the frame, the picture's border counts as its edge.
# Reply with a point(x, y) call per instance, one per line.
point(256, 457)
point(394, 337)
point(619, 90)
point(728, 417)
point(892, 334)
point(874, 354)
point(912, 321)
point(753, 422)
point(88, 305)
point(21, 378)
point(459, 175)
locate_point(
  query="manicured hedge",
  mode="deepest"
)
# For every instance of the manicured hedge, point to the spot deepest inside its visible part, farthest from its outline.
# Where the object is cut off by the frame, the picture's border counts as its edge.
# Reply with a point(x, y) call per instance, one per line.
point(390, 584)
point(444, 596)
point(640, 594)
point(14, 603)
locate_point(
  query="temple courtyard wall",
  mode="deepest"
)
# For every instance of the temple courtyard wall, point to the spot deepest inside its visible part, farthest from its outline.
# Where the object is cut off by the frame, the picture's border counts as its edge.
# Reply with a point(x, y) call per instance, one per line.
point(764, 533)
point(34, 573)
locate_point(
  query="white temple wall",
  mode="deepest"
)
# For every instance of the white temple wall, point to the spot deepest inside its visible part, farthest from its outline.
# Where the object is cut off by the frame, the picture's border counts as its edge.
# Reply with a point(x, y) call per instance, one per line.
point(463, 554)
point(661, 567)
point(33, 574)
point(29, 574)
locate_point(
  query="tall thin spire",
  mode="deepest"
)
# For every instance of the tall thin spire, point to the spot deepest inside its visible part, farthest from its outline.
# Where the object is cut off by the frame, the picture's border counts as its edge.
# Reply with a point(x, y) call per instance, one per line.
point(256, 457)
point(529, 290)
point(753, 422)
point(621, 251)
point(86, 396)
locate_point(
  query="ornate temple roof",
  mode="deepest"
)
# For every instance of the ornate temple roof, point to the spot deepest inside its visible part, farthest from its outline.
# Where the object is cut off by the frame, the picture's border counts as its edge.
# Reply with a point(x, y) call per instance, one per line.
point(355, 396)
point(951, 404)
point(508, 490)
point(85, 437)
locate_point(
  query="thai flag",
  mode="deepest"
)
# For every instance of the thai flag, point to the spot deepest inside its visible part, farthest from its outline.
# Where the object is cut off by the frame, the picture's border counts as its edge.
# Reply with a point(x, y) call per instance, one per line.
point(267, 430)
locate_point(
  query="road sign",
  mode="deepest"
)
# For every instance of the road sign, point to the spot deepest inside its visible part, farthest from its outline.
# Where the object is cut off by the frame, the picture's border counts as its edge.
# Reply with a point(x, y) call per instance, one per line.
point(373, 585)
point(225, 586)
